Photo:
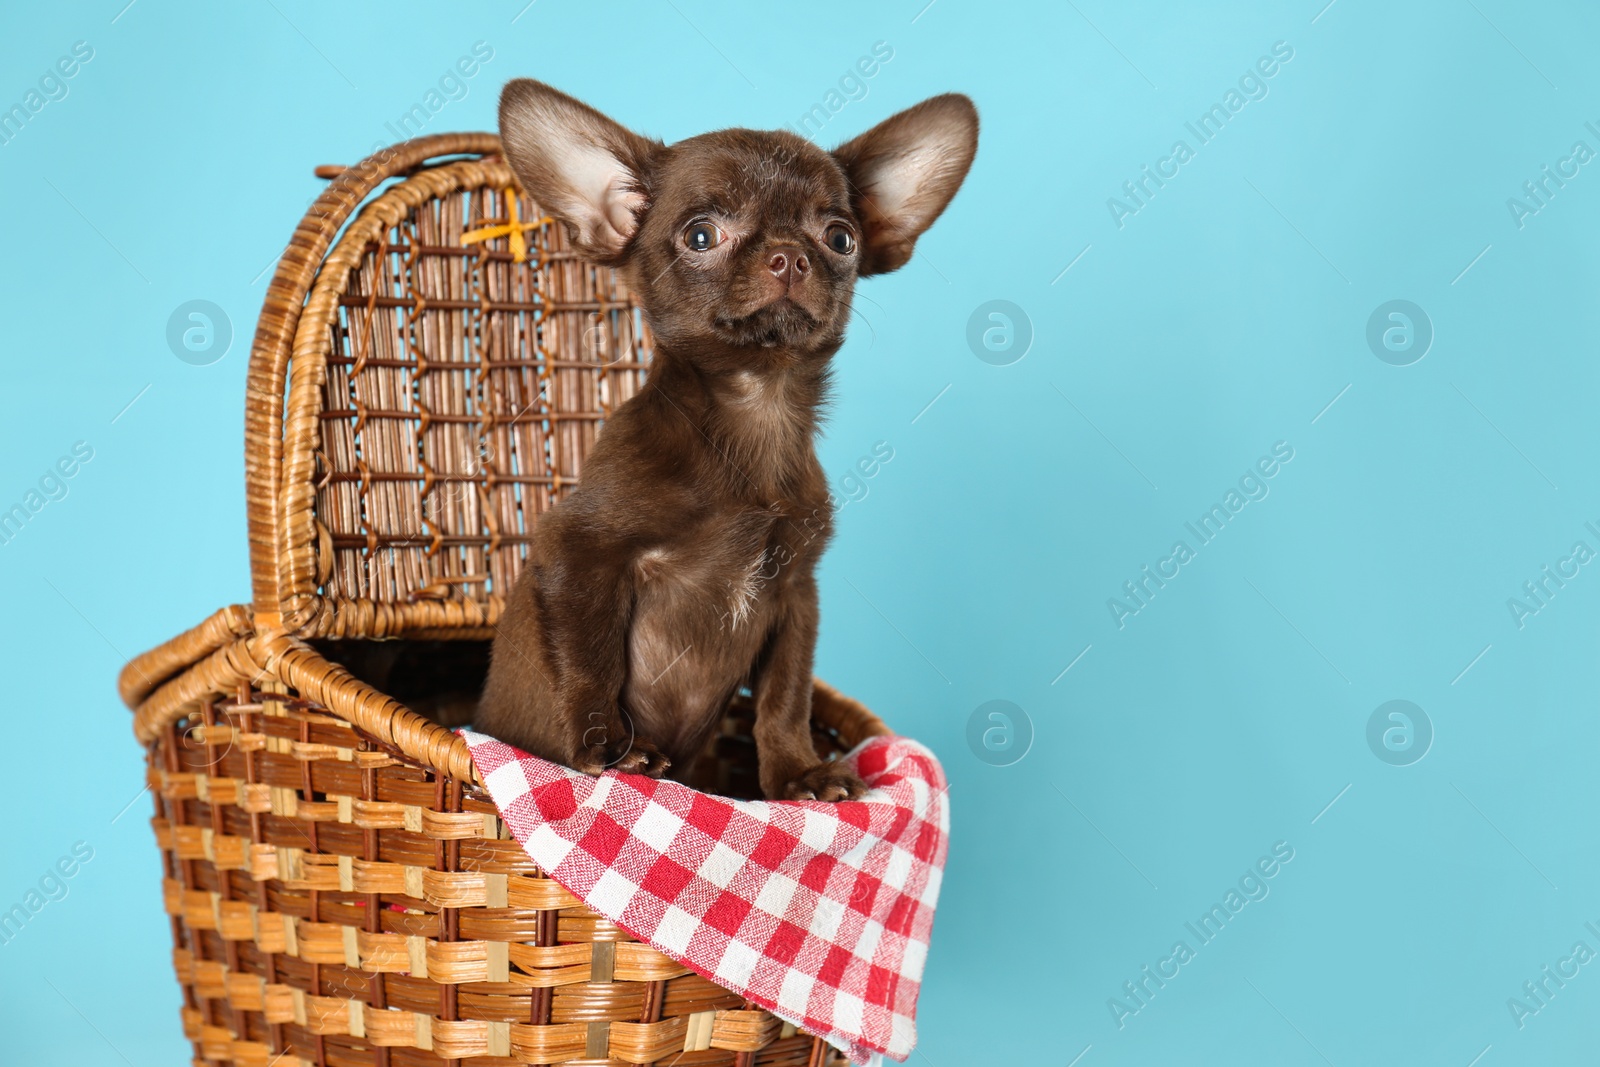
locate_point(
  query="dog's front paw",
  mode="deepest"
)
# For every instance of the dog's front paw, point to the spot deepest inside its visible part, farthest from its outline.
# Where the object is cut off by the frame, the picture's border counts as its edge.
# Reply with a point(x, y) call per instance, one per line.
point(614, 750)
point(640, 757)
point(827, 781)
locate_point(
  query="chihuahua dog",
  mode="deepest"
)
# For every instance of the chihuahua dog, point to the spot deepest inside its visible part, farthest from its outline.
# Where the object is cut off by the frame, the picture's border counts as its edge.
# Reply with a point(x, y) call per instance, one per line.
point(682, 567)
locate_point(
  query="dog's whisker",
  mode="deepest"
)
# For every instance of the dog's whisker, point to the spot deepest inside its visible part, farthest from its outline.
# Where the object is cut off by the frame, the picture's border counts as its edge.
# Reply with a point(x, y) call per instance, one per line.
point(856, 312)
point(868, 299)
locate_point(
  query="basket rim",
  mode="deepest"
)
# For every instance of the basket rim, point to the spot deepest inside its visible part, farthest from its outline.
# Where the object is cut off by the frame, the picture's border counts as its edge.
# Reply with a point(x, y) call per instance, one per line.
point(177, 677)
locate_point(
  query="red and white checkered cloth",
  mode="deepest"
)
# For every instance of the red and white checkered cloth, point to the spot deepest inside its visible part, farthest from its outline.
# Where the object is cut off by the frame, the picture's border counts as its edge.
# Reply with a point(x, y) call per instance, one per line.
point(818, 912)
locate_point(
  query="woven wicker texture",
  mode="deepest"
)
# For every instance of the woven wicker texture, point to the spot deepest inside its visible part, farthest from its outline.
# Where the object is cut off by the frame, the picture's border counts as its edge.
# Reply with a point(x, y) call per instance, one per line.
point(340, 889)
point(462, 389)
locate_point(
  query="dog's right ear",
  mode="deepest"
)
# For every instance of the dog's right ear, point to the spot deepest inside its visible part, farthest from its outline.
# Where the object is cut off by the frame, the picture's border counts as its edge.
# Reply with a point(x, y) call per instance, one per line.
point(581, 167)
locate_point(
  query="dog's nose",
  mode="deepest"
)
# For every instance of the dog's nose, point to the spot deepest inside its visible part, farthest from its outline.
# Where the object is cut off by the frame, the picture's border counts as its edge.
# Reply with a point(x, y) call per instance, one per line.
point(788, 264)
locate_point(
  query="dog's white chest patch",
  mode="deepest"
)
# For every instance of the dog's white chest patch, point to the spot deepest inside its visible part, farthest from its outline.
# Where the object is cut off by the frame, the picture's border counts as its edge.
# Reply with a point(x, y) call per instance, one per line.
point(745, 588)
point(749, 385)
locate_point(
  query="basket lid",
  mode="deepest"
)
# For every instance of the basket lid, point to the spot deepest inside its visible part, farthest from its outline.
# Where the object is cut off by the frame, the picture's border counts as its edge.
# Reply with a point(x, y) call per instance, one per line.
point(428, 373)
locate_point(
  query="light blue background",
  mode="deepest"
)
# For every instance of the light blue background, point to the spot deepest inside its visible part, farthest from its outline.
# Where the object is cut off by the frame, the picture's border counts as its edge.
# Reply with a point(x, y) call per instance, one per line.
point(1223, 317)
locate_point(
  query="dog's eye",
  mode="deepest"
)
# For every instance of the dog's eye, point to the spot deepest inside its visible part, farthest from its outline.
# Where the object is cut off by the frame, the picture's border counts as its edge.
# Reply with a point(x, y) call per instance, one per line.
point(840, 240)
point(703, 236)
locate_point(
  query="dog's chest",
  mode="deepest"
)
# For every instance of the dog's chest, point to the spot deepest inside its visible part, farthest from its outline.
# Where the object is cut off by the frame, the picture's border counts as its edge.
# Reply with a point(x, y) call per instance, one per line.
point(702, 609)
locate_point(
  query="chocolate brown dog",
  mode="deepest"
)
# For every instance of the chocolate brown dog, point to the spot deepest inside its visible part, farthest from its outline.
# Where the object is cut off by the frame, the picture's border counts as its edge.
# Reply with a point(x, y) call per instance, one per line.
point(681, 568)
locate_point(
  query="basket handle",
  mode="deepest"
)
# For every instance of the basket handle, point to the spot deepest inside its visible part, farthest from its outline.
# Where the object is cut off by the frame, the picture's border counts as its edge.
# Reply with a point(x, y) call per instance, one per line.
point(274, 340)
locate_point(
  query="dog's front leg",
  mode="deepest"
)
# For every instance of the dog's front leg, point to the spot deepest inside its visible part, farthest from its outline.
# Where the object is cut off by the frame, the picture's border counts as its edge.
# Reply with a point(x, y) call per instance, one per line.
point(789, 766)
point(585, 603)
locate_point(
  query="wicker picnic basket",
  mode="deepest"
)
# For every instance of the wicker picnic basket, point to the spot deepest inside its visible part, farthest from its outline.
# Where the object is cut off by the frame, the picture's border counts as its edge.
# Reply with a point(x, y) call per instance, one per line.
point(430, 366)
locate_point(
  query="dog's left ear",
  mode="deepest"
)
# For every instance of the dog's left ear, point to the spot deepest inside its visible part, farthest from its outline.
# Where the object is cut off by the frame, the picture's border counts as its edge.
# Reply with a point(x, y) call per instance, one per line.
point(903, 173)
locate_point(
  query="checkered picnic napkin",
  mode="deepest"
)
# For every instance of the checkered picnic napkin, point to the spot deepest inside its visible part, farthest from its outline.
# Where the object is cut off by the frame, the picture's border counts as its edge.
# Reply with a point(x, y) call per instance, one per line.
point(818, 912)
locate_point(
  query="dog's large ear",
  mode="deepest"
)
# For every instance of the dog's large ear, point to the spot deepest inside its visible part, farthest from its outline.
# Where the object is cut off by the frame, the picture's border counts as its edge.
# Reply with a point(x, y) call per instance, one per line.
point(584, 169)
point(903, 173)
